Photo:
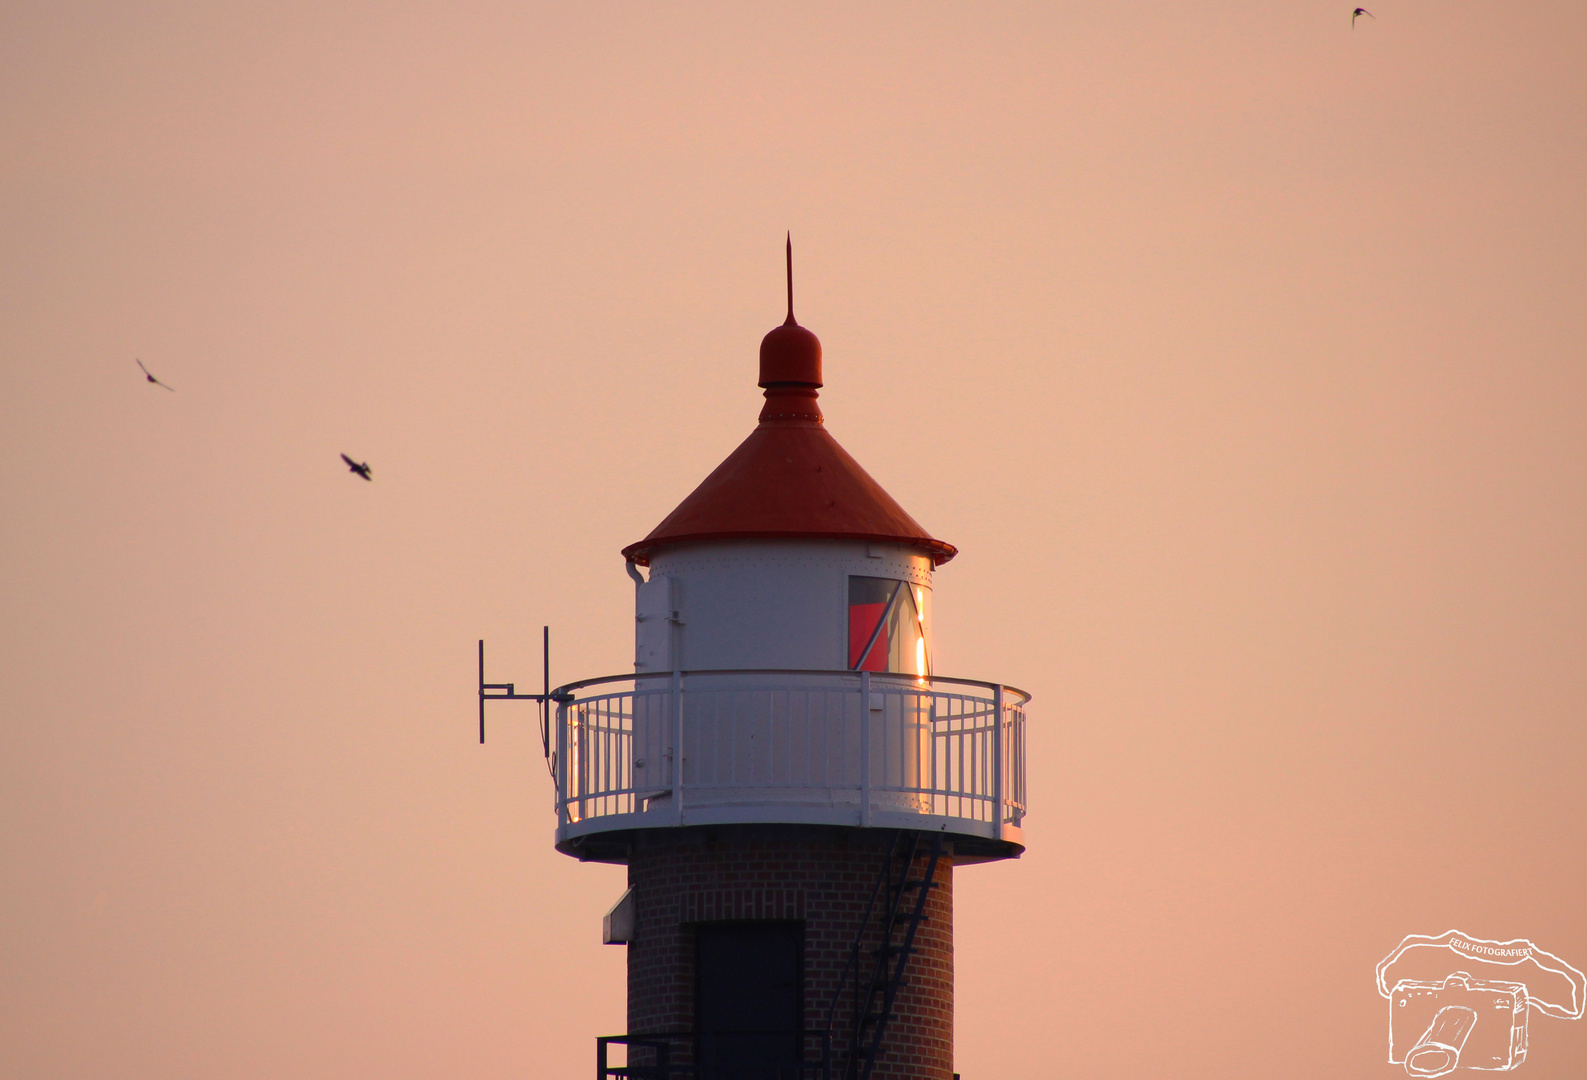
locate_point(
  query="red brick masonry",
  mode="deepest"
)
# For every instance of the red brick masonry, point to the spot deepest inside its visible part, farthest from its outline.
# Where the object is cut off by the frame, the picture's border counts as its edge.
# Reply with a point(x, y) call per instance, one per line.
point(820, 876)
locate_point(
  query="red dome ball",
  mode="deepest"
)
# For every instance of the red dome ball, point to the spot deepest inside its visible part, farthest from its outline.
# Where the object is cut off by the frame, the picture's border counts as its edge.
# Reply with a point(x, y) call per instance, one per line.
point(790, 354)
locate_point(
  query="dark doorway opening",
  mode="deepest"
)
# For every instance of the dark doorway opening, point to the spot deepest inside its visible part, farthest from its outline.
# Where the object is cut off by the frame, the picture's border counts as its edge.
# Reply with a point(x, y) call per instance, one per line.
point(749, 1000)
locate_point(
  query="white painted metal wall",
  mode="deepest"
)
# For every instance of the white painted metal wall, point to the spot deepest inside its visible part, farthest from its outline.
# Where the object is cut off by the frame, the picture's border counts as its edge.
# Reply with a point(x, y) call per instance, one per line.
point(759, 603)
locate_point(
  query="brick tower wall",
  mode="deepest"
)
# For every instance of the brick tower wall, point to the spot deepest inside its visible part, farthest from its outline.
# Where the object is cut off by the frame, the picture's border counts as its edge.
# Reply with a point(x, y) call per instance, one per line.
point(821, 877)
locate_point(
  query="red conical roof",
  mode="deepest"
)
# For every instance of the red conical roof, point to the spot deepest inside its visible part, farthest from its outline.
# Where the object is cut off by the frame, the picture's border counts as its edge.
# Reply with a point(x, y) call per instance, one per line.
point(790, 480)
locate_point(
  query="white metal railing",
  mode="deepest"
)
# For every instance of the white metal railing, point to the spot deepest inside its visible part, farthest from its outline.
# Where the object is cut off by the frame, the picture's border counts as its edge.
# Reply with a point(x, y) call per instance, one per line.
point(836, 747)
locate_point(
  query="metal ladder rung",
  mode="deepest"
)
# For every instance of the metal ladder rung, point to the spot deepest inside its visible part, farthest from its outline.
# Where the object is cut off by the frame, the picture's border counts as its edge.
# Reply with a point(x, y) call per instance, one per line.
point(881, 984)
point(893, 950)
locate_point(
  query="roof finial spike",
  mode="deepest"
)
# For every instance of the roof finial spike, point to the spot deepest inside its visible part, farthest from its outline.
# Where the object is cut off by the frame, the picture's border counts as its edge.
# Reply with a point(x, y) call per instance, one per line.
point(790, 321)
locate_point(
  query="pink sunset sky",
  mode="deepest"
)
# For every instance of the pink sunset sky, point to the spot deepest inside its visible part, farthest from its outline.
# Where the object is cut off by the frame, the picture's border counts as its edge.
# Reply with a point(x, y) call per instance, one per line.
point(1242, 353)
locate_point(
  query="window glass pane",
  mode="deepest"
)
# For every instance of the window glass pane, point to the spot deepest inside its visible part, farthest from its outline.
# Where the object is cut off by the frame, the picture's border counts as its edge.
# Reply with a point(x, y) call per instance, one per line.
point(889, 626)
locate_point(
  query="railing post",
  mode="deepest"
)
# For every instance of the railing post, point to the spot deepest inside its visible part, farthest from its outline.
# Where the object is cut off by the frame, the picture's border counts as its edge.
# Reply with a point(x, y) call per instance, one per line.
point(562, 764)
point(677, 744)
point(997, 762)
point(600, 1059)
point(865, 749)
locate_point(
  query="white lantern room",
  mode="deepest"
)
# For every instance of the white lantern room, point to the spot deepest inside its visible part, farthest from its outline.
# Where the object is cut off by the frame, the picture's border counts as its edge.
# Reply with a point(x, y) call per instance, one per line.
point(784, 669)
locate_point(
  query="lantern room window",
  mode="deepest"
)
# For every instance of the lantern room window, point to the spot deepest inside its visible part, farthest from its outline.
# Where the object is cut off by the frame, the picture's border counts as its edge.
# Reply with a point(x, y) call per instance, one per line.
point(889, 626)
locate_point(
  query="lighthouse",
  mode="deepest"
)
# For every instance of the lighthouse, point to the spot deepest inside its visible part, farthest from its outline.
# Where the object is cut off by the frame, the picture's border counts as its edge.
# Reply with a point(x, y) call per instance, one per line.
point(787, 776)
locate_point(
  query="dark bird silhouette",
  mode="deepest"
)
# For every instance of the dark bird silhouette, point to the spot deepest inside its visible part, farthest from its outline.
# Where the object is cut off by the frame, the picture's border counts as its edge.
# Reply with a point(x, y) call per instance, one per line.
point(1357, 13)
point(353, 466)
point(151, 378)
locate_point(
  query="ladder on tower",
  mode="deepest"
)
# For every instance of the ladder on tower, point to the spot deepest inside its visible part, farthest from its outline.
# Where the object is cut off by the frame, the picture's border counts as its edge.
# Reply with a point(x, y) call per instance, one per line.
point(903, 908)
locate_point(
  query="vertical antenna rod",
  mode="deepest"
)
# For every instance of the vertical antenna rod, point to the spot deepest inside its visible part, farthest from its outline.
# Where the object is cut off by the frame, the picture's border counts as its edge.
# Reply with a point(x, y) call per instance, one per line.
point(545, 698)
point(790, 321)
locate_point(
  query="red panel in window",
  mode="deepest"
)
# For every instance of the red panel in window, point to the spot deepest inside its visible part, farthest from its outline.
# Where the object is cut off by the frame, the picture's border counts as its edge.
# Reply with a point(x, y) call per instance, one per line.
point(862, 623)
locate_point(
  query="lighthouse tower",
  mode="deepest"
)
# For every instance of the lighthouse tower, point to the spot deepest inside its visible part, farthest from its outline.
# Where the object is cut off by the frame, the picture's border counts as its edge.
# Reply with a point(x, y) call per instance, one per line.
point(788, 778)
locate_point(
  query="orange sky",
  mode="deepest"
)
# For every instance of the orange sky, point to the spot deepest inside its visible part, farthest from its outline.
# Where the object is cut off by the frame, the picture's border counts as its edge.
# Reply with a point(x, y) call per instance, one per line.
point(1240, 352)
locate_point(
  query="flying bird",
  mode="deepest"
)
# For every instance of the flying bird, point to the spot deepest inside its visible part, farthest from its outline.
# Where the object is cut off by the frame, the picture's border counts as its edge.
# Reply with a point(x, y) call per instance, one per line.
point(1357, 13)
point(151, 378)
point(353, 466)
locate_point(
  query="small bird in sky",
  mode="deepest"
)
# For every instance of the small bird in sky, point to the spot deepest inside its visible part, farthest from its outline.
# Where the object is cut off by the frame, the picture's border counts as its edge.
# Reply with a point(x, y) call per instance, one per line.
point(151, 378)
point(353, 466)
point(1357, 13)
